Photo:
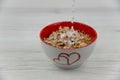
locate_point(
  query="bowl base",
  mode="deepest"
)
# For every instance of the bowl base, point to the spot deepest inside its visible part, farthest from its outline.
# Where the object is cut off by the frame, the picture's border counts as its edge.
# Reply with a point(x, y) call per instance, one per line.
point(65, 67)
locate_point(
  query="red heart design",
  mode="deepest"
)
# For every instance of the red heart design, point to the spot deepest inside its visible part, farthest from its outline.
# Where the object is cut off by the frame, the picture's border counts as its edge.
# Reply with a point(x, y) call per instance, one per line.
point(67, 59)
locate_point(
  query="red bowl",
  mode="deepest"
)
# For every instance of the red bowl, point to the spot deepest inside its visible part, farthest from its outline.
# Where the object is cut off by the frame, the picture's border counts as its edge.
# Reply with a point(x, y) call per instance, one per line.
point(47, 30)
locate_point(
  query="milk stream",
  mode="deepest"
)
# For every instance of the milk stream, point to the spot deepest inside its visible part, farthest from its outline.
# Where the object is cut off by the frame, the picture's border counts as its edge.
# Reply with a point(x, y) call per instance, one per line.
point(73, 11)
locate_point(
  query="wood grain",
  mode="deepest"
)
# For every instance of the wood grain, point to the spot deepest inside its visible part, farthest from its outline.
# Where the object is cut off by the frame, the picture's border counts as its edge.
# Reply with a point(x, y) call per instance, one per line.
point(21, 55)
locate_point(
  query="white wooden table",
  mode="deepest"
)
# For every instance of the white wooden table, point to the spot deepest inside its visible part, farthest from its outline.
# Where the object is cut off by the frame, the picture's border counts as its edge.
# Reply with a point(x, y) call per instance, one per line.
point(21, 56)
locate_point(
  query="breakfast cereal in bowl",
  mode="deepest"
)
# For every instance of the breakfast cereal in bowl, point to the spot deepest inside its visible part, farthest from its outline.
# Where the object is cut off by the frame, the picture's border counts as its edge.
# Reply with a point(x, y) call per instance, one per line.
point(68, 38)
point(68, 44)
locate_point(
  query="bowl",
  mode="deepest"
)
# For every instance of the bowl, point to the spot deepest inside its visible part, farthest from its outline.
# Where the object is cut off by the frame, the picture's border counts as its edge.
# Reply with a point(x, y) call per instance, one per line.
point(68, 58)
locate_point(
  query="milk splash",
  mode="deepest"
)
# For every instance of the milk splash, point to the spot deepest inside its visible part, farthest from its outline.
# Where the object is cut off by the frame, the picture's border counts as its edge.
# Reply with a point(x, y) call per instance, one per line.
point(69, 36)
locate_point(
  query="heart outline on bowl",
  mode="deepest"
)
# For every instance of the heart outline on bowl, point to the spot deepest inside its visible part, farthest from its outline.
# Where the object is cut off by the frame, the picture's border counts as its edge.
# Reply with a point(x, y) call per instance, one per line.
point(67, 58)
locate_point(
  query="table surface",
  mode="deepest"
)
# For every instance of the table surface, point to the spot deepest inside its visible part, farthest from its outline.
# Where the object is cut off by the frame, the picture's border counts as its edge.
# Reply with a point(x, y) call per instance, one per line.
point(21, 55)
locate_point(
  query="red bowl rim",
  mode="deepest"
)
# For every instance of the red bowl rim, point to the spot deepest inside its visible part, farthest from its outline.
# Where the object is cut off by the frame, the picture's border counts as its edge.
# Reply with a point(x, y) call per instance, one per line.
point(71, 22)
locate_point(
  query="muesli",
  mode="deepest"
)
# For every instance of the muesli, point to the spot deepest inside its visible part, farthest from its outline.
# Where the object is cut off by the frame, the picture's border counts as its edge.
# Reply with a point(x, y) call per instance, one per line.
point(68, 38)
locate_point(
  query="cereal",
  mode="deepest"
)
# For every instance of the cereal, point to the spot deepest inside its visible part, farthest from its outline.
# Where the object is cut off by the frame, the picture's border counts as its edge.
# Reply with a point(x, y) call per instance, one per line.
point(68, 38)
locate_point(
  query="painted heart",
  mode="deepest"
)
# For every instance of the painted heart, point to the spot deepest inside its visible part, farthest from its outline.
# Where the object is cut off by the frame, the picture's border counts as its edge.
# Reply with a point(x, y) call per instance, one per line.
point(67, 59)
